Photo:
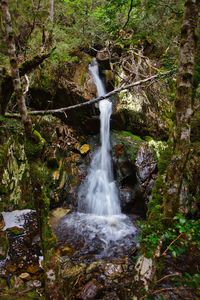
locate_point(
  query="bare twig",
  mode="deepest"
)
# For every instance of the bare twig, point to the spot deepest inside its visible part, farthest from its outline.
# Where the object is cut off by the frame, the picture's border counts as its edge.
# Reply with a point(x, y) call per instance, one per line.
point(170, 289)
point(96, 100)
point(27, 84)
point(164, 253)
point(168, 276)
point(129, 13)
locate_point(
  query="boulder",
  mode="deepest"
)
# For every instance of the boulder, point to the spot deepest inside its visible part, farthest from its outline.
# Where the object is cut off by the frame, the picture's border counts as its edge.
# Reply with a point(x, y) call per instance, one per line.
point(135, 169)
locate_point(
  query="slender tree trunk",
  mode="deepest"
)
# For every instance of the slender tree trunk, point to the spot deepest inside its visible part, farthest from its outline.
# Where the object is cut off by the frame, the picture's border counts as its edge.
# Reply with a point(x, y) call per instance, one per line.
point(51, 10)
point(175, 170)
point(39, 178)
point(14, 68)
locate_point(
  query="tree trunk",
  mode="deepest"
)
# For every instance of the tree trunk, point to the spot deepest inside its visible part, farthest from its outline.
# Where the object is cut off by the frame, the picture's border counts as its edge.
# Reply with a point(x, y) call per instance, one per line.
point(51, 10)
point(175, 170)
point(39, 178)
point(14, 68)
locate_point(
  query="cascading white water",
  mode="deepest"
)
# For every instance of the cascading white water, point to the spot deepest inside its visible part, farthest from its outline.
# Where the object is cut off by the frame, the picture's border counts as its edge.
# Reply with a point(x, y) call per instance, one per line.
point(99, 219)
point(100, 189)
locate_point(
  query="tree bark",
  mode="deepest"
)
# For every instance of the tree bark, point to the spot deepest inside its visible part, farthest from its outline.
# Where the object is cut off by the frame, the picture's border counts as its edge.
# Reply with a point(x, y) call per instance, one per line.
point(175, 170)
point(38, 172)
point(14, 68)
point(51, 10)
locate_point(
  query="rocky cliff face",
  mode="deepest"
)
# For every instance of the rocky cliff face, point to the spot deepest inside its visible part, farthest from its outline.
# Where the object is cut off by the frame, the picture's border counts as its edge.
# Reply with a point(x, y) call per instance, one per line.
point(144, 110)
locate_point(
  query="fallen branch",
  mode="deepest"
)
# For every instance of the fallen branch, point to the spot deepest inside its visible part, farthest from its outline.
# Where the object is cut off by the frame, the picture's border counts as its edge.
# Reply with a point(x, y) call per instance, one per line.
point(163, 290)
point(96, 100)
point(167, 276)
point(178, 237)
point(32, 64)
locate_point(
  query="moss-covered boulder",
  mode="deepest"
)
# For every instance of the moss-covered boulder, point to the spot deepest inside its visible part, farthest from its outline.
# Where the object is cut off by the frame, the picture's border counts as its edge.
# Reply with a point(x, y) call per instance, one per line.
point(14, 172)
point(135, 169)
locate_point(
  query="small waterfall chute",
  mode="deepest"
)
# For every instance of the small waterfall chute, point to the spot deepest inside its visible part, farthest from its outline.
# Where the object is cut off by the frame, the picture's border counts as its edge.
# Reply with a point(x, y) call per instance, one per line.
point(99, 216)
point(99, 193)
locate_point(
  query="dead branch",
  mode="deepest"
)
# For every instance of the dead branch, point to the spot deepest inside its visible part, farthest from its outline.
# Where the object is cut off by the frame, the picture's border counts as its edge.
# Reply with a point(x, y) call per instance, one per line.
point(129, 14)
point(164, 253)
point(163, 290)
point(96, 100)
point(167, 276)
point(32, 64)
point(27, 84)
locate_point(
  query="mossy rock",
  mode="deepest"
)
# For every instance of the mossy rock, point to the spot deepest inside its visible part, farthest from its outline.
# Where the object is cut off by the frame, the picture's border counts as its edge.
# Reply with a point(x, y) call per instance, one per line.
point(34, 146)
point(131, 135)
point(129, 141)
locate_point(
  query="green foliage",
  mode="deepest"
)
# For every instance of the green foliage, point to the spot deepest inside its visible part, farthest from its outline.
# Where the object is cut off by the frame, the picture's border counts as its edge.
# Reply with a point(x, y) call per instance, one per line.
point(11, 125)
point(157, 15)
point(131, 135)
point(165, 157)
point(176, 239)
point(86, 23)
point(190, 280)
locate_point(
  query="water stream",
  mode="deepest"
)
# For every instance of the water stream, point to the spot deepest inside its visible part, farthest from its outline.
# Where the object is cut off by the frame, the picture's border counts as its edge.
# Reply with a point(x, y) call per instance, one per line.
point(99, 223)
point(100, 189)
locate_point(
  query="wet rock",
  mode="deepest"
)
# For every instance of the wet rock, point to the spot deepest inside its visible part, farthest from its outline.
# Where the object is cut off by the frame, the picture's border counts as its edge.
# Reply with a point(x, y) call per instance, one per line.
point(91, 290)
point(103, 59)
point(59, 212)
point(113, 270)
point(126, 196)
point(56, 215)
point(145, 162)
point(66, 250)
point(135, 170)
point(111, 296)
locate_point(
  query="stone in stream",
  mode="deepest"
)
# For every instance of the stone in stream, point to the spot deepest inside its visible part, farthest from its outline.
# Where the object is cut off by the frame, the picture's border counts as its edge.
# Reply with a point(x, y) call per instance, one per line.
point(91, 290)
point(113, 270)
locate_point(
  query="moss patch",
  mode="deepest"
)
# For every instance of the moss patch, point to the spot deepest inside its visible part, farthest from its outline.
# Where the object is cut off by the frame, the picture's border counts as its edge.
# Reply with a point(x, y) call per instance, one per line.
point(34, 145)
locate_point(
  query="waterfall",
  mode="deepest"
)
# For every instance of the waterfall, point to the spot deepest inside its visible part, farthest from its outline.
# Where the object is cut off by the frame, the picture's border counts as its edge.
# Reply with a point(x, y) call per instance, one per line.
point(99, 223)
point(100, 189)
